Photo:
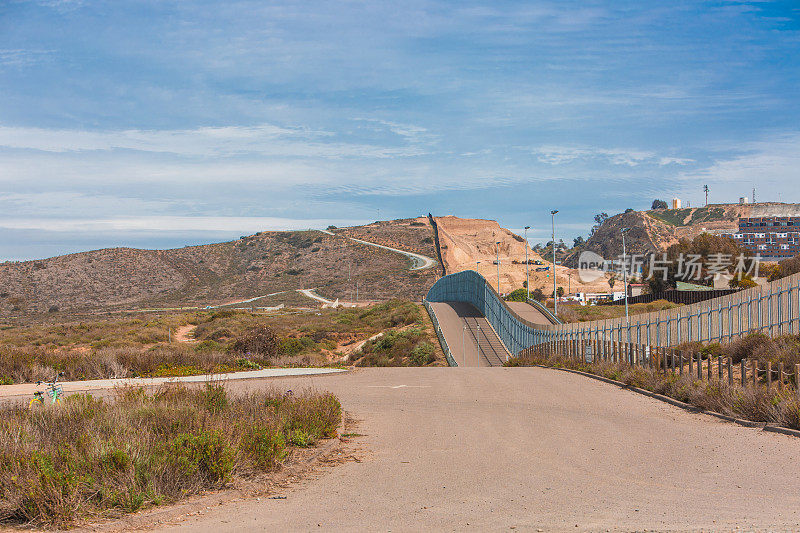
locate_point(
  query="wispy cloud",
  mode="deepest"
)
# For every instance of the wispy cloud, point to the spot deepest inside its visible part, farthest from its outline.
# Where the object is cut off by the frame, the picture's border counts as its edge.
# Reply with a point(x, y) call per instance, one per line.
point(559, 155)
point(170, 224)
point(169, 109)
point(772, 165)
point(23, 58)
point(264, 139)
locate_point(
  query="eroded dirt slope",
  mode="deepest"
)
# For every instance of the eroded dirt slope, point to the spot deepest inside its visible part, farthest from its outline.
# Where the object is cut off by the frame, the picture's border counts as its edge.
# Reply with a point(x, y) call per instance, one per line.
point(467, 240)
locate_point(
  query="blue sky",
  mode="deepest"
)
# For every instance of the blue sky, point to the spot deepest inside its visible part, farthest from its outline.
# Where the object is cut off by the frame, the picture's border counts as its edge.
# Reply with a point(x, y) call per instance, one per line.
point(159, 124)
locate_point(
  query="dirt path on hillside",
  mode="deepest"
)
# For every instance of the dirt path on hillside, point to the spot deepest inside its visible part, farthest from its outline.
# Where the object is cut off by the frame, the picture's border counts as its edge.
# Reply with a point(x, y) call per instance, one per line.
point(185, 333)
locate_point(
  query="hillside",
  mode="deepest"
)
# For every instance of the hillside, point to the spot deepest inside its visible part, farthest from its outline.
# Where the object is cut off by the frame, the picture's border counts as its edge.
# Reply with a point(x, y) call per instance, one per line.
point(258, 265)
point(466, 240)
point(655, 230)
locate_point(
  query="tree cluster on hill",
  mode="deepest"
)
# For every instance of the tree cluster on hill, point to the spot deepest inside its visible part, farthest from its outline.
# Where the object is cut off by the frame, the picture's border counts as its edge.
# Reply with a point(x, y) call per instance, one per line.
point(546, 251)
point(697, 261)
point(659, 204)
point(521, 295)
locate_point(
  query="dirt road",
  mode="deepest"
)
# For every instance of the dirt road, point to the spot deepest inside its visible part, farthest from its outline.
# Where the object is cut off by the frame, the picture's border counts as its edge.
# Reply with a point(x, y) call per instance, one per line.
point(525, 448)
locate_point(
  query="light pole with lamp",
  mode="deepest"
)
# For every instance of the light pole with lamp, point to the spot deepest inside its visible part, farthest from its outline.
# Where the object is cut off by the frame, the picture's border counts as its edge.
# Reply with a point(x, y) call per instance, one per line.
point(478, 345)
point(555, 296)
point(478, 267)
point(625, 282)
point(527, 275)
point(463, 346)
point(497, 250)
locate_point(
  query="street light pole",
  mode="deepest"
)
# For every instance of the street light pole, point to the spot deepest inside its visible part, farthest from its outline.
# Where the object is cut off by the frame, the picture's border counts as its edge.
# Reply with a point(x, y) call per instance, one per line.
point(463, 346)
point(527, 275)
point(497, 250)
point(477, 267)
point(625, 281)
point(555, 296)
point(478, 345)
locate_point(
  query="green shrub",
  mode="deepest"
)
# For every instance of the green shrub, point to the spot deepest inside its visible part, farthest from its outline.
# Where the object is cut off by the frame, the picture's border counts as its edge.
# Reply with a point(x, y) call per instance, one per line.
point(266, 446)
point(215, 397)
point(205, 455)
point(423, 354)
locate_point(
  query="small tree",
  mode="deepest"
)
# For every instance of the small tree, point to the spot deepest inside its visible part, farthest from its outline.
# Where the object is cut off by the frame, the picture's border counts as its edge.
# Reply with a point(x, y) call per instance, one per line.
point(659, 204)
point(560, 292)
point(260, 340)
point(612, 281)
point(629, 210)
point(538, 295)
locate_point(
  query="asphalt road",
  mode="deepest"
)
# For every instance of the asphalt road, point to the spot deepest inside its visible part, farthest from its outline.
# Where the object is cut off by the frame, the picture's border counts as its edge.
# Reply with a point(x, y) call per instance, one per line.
point(525, 448)
point(471, 339)
point(528, 312)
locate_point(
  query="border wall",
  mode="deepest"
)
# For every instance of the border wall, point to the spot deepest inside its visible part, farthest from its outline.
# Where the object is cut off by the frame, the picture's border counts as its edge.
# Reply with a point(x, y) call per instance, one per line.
point(773, 309)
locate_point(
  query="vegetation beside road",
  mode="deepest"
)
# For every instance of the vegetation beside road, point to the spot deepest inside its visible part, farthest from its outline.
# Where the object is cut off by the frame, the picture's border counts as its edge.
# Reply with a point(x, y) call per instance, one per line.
point(91, 457)
point(221, 341)
point(586, 313)
point(759, 404)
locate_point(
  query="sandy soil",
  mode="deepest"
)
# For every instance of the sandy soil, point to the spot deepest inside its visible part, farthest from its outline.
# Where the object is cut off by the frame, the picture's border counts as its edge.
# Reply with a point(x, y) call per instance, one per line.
point(185, 333)
point(467, 240)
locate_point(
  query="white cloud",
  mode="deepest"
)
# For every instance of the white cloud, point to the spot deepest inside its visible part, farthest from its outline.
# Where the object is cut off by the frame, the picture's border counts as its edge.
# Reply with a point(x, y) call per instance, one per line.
point(21, 57)
point(559, 155)
point(170, 223)
point(674, 161)
point(771, 165)
point(264, 139)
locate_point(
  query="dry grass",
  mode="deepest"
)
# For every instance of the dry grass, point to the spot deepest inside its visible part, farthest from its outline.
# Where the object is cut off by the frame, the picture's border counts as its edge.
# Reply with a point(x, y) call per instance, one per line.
point(116, 348)
point(91, 457)
point(585, 313)
point(760, 404)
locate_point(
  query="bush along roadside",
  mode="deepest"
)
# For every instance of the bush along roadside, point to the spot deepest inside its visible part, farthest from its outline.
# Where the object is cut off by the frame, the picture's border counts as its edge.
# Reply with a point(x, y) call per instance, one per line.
point(402, 347)
point(91, 457)
point(759, 402)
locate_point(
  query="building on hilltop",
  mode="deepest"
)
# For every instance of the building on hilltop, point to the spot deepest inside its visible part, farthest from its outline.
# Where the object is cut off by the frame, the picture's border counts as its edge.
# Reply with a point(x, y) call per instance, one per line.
point(773, 238)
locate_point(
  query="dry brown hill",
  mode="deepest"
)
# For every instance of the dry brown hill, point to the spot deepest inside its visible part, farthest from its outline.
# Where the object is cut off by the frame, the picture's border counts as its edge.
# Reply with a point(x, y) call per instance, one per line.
point(261, 264)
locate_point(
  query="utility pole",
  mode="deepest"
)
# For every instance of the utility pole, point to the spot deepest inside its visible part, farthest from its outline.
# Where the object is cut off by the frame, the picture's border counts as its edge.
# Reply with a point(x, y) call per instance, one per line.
point(478, 343)
point(463, 345)
point(478, 267)
point(555, 296)
point(527, 275)
point(705, 190)
point(754, 195)
point(625, 283)
point(497, 250)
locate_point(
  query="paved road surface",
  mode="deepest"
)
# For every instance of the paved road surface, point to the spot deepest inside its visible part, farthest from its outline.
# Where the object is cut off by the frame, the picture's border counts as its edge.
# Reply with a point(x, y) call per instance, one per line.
point(489, 449)
point(25, 391)
point(471, 339)
point(528, 312)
